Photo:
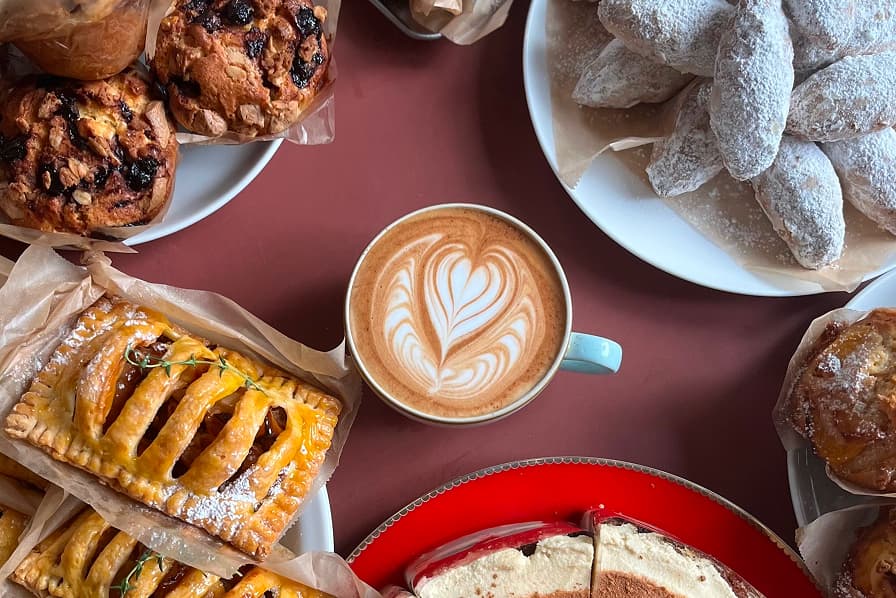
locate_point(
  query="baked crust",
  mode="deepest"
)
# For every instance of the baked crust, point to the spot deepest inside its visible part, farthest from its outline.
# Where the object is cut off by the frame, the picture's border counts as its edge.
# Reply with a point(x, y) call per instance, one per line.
point(249, 67)
point(844, 401)
point(868, 570)
point(79, 157)
point(88, 557)
point(17, 471)
point(232, 448)
point(12, 524)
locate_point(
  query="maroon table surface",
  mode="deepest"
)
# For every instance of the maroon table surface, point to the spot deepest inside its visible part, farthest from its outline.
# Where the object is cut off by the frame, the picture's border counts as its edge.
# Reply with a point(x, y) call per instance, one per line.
point(420, 123)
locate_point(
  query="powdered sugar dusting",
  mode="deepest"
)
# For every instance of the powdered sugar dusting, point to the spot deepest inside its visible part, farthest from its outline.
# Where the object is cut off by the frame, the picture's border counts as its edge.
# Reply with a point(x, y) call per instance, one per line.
point(683, 34)
point(753, 79)
point(801, 195)
point(853, 96)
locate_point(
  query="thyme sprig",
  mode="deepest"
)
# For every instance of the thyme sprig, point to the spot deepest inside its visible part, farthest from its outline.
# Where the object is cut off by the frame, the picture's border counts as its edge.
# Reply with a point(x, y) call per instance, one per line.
point(144, 361)
point(125, 586)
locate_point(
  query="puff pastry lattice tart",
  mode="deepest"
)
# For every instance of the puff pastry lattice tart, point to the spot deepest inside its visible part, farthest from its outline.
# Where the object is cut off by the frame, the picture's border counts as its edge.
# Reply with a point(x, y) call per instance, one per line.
point(88, 558)
point(197, 431)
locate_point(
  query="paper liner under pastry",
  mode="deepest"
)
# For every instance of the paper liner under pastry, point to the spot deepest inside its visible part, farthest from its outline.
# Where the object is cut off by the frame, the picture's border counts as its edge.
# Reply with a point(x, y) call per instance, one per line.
point(461, 21)
point(45, 294)
point(723, 210)
point(317, 123)
point(824, 544)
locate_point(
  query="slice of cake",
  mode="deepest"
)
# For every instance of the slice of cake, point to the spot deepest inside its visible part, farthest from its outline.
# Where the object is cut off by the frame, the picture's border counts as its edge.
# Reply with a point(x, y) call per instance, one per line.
point(636, 562)
point(538, 559)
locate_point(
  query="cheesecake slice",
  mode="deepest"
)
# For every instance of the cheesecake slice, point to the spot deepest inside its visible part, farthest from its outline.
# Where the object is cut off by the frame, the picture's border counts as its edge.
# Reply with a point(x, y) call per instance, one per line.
point(532, 560)
point(634, 562)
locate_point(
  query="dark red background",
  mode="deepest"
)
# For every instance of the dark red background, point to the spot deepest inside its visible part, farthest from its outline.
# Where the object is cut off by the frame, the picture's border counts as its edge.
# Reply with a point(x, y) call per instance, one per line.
point(429, 122)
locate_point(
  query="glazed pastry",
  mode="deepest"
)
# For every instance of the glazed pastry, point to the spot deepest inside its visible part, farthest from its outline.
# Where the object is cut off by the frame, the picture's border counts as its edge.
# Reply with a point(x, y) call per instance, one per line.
point(619, 78)
point(853, 96)
point(868, 570)
point(17, 471)
point(689, 156)
point(802, 198)
point(243, 66)
point(824, 31)
point(87, 557)
point(81, 157)
point(844, 403)
point(12, 524)
point(751, 89)
point(197, 431)
point(683, 34)
point(866, 166)
point(94, 49)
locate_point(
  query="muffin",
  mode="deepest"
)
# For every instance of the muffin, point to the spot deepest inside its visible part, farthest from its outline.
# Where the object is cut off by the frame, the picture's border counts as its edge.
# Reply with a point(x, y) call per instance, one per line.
point(869, 569)
point(249, 67)
point(92, 49)
point(844, 400)
point(79, 157)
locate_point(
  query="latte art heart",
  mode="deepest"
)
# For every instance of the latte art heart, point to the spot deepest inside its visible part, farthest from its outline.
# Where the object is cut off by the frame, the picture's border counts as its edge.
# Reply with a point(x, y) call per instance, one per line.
point(459, 321)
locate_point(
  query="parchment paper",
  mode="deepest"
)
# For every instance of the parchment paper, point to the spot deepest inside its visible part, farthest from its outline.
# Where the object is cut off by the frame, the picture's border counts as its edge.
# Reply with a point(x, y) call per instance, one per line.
point(42, 298)
point(723, 210)
point(824, 544)
point(461, 21)
point(317, 124)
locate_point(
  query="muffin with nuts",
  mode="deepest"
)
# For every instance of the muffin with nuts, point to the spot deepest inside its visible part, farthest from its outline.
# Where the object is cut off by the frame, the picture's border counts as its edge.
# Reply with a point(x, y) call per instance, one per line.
point(81, 157)
point(249, 67)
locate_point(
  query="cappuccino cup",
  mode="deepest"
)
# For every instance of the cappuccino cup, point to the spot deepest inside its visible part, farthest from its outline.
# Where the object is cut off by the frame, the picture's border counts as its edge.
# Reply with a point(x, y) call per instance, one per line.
point(461, 314)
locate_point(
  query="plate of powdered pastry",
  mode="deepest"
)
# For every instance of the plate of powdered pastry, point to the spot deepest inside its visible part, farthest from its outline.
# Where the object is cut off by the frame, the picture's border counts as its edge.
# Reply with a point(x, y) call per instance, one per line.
point(769, 132)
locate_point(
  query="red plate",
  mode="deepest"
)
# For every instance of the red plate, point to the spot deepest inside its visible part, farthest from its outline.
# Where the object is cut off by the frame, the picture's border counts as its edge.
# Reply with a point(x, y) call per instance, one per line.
point(566, 487)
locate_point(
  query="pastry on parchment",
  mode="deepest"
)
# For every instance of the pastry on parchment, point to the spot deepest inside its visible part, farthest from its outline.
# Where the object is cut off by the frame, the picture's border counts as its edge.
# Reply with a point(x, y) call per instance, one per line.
point(868, 569)
point(87, 557)
point(197, 431)
point(83, 156)
point(619, 78)
point(853, 96)
point(801, 196)
point(12, 524)
point(843, 401)
point(689, 156)
point(751, 88)
point(824, 31)
point(866, 166)
point(249, 67)
point(683, 34)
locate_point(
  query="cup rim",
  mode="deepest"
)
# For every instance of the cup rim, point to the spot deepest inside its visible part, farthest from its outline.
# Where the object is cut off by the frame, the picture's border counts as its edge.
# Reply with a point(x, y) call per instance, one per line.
point(491, 416)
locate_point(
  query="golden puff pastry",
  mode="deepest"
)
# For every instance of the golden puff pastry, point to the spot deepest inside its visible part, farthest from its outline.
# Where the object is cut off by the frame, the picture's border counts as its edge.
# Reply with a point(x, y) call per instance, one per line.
point(88, 558)
point(17, 471)
point(199, 432)
point(12, 523)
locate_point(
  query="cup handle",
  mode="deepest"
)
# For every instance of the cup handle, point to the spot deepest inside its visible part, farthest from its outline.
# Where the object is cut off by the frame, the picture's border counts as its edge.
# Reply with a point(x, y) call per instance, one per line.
point(591, 354)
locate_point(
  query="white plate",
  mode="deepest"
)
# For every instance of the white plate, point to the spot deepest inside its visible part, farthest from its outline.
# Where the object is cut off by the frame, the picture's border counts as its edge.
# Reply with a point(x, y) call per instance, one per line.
point(812, 492)
point(314, 531)
point(208, 176)
point(626, 208)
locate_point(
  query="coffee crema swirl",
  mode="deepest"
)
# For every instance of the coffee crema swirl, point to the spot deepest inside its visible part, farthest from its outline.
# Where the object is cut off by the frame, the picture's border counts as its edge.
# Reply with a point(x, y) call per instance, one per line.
point(464, 313)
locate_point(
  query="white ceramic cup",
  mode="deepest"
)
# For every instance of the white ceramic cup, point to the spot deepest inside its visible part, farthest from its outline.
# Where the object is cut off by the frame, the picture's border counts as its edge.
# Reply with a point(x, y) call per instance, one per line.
point(579, 352)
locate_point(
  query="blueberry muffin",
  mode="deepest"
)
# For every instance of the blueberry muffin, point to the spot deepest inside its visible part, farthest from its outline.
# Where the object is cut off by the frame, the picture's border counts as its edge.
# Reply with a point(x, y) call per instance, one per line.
point(79, 157)
point(249, 67)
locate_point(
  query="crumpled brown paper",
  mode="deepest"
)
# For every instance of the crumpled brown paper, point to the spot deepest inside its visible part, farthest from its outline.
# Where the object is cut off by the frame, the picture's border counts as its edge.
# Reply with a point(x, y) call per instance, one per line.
point(824, 544)
point(723, 210)
point(461, 21)
point(43, 296)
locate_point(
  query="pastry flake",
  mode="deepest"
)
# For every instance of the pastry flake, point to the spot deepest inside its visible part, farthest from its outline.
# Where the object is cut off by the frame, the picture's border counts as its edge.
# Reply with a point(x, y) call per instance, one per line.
point(89, 558)
point(197, 431)
point(12, 524)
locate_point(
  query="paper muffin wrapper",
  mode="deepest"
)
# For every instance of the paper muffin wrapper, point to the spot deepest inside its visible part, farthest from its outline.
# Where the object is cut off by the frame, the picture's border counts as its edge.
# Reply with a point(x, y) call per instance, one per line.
point(44, 295)
point(461, 21)
point(790, 438)
point(825, 543)
point(723, 210)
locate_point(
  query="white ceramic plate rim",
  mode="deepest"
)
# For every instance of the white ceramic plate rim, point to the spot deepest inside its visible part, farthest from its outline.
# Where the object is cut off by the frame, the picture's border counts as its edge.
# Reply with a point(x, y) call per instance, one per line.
point(539, 103)
point(165, 228)
point(314, 530)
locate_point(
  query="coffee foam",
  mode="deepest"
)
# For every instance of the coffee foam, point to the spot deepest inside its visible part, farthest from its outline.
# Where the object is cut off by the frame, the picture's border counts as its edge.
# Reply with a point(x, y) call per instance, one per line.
point(455, 312)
